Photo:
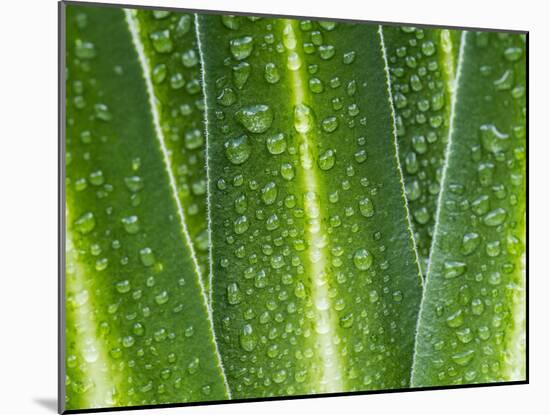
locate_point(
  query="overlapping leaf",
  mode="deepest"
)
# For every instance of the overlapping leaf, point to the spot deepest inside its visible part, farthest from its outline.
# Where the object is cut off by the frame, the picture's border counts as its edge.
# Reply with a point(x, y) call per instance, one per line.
point(138, 330)
point(472, 327)
point(422, 66)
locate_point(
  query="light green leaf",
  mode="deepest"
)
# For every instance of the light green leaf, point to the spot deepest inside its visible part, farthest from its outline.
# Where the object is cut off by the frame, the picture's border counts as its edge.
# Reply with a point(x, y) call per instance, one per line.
point(138, 329)
point(472, 320)
point(422, 65)
point(315, 281)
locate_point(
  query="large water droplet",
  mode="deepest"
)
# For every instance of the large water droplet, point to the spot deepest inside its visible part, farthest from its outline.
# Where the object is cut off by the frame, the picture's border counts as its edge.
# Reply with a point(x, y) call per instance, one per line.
point(237, 149)
point(494, 140)
point(247, 339)
point(162, 41)
point(366, 207)
point(362, 259)
point(495, 217)
point(326, 160)
point(85, 223)
point(255, 118)
point(147, 257)
point(234, 295)
point(269, 193)
point(454, 269)
point(131, 224)
point(470, 242)
point(303, 118)
point(241, 48)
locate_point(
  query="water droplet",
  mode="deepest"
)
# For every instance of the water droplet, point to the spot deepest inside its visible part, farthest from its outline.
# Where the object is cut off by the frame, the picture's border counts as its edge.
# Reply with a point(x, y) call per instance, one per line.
point(362, 259)
point(328, 26)
point(241, 73)
point(159, 73)
point(234, 295)
point(493, 140)
point(326, 160)
point(102, 112)
point(147, 257)
point(133, 183)
point(231, 22)
point(456, 319)
point(330, 124)
point(293, 61)
point(162, 42)
point(238, 149)
point(247, 339)
point(303, 118)
point(161, 298)
point(326, 52)
point(289, 37)
point(470, 242)
point(84, 50)
point(241, 48)
point(513, 54)
point(477, 307)
point(189, 58)
point(480, 206)
point(366, 207)
point(269, 193)
point(280, 376)
point(101, 264)
point(316, 85)
point(131, 224)
point(90, 353)
point(276, 144)
point(193, 366)
point(85, 223)
point(495, 217)
point(463, 358)
point(348, 58)
point(454, 269)
point(271, 73)
point(287, 171)
point(184, 25)
point(123, 286)
point(128, 341)
point(241, 204)
point(227, 97)
point(240, 225)
point(346, 321)
point(255, 118)
point(428, 48)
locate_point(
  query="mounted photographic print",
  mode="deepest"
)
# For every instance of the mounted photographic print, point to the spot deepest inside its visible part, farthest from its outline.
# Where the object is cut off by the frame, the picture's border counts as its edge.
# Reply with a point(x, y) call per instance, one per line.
point(279, 207)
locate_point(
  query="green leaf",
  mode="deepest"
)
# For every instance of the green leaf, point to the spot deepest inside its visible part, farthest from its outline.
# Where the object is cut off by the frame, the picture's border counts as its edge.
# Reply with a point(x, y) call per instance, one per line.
point(422, 65)
point(472, 321)
point(173, 63)
point(137, 328)
point(315, 281)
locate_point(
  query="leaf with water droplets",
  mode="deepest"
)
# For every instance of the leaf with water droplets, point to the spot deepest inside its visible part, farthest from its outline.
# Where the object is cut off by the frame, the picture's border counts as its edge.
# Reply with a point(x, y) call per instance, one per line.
point(181, 114)
point(137, 324)
point(315, 282)
point(422, 64)
point(471, 327)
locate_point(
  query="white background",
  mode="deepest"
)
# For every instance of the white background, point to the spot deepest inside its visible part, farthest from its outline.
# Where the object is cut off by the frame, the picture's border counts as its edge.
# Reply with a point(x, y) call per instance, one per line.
point(28, 204)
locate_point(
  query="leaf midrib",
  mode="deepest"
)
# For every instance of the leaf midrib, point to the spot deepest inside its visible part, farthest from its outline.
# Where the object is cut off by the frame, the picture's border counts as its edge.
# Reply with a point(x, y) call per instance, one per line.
point(315, 227)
